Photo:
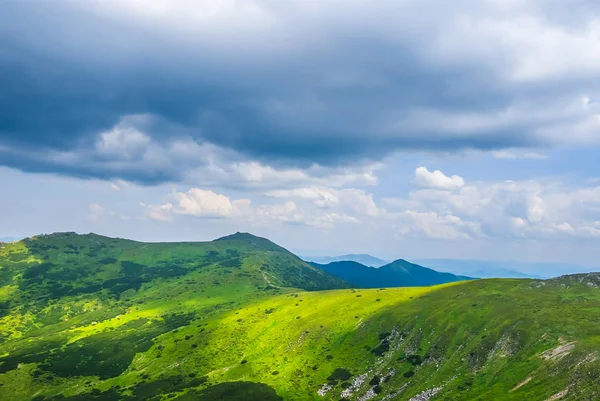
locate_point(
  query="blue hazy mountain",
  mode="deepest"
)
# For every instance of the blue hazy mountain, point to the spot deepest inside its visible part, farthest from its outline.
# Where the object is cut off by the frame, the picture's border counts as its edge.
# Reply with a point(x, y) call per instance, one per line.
point(362, 258)
point(504, 269)
point(399, 273)
point(9, 239)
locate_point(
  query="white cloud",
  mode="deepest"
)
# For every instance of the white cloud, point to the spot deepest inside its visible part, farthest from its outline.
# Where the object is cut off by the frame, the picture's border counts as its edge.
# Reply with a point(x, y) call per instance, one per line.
point(509, 209)
point(201, 202)
point(252, 174)
point(118, 184)
point(352, 205)
point(441, 207)
point(290, 213)
point(285, 213)
point(434, 226)
point(351, 200)
point(320, 196)
point(437, 180)
point(96, 212)
point(160, 213)
point(510, 154)
point(124, 141)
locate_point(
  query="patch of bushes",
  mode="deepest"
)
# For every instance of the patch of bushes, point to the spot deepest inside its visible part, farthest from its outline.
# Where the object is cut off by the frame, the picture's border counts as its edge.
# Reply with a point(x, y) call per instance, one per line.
point(171, 384)
point(414, 360)
point(232, 391)
point(234, 262)
point(382, 348)
point(339, 374)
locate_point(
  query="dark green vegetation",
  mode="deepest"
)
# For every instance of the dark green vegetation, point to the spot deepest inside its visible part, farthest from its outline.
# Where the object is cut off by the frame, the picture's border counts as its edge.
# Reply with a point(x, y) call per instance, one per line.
point(85, 317)
point(399, 273)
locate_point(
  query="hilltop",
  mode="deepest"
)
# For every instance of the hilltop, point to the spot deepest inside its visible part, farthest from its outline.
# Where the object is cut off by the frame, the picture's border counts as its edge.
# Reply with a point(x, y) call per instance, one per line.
point(399, 273)
point(86, 317)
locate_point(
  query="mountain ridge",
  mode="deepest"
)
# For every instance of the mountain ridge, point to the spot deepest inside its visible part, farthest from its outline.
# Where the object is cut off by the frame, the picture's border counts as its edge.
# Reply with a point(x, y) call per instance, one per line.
point(399, 273)
point(363, 258)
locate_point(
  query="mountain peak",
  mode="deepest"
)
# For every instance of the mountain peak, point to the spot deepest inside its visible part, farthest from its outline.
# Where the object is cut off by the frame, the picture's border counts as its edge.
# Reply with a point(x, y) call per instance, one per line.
point(240, 236)
point(251, 240)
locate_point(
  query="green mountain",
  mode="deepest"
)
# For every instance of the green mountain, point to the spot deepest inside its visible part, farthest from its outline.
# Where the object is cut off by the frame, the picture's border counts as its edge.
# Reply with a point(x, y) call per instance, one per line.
point(362, 258)
point(85, 317)
point(399, 273)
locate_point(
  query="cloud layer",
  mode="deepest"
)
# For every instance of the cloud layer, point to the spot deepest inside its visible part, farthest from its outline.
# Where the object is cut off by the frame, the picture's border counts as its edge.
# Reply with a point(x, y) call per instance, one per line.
point(123, 89)
point(438, 207)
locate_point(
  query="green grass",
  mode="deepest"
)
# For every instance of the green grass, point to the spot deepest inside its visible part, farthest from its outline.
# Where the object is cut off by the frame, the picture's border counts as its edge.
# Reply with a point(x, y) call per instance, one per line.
point(222, 320)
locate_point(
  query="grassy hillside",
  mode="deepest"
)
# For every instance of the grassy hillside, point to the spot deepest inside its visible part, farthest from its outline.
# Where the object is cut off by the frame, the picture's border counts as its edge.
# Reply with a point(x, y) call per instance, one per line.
point(231, 331)
point(399, 273)
point(40, 271)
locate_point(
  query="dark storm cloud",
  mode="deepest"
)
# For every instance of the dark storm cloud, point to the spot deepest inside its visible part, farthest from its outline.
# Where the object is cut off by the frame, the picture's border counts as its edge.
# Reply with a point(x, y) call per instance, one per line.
point(290, 94)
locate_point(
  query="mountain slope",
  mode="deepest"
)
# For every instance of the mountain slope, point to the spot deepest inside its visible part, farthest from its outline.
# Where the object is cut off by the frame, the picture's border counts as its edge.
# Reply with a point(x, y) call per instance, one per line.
point(52, 279)
point(212, 335)
point(399, 273)
point(364, 259)
point(476, 340)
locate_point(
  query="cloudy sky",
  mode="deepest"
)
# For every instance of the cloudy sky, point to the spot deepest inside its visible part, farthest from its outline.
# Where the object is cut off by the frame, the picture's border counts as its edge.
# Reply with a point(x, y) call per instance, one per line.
point(412, 128)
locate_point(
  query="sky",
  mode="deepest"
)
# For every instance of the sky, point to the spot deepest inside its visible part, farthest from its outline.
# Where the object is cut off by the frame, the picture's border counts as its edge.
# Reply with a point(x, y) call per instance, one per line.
point(415, 129)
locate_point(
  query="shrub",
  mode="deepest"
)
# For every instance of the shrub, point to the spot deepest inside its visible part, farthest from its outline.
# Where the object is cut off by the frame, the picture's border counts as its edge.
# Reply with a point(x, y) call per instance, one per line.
point(339, 374)
point(415, 360)
point(382, 348)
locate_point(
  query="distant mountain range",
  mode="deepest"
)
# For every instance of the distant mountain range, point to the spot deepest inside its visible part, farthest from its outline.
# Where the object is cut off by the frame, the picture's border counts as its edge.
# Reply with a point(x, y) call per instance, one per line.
point(9, 239)
point(470, 267)
point(362, 258)
point(504, 269)
point(399, 273)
